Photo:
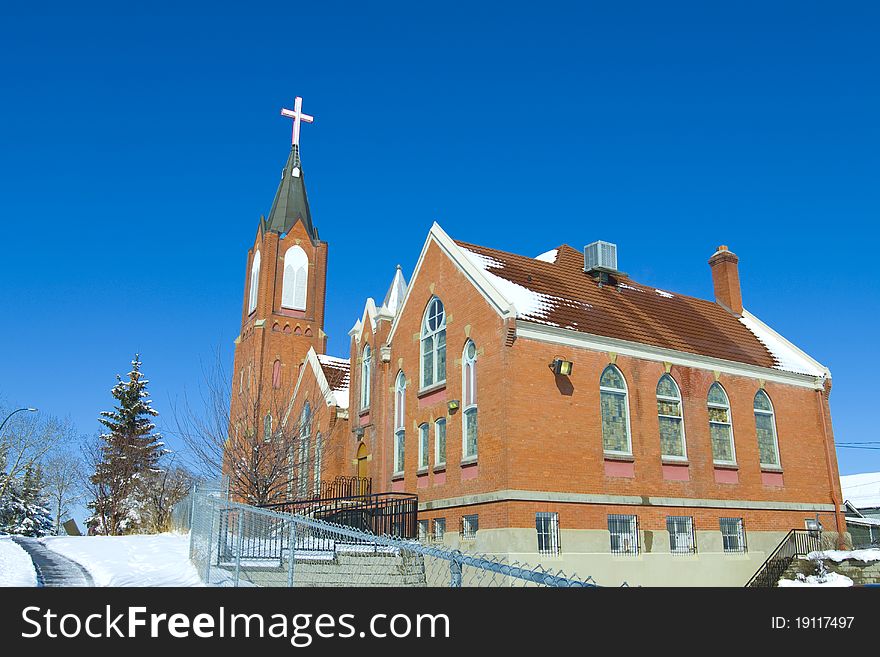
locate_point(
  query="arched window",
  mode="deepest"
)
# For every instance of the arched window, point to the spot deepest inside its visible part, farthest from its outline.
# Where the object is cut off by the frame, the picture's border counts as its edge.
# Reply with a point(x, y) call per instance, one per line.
point(765, 423)
point(399, 422)
point(469, 400)
point(434, 344)
point(276, 374)
point(423, 446)
point(672, 443)
point(319, 458)
point(296, 277)
point(720, 426)
point(615, 412)
point(366, 368)
point(254, 284)
point(305, 433)
point(440, 442)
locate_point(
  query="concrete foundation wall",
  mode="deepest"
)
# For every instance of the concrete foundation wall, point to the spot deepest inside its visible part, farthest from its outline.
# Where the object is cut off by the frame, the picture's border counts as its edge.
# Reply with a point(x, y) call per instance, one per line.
point(587, 553)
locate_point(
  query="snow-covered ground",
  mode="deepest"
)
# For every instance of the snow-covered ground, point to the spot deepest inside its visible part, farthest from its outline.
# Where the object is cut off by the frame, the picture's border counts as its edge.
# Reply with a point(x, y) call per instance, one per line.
point(16, 567)
point(839, 555)
point(139, 560)
point(831, 580)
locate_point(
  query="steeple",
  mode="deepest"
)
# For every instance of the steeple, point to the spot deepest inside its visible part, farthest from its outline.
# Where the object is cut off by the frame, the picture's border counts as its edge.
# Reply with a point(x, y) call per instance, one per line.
point(395, 293)
point(291, 202)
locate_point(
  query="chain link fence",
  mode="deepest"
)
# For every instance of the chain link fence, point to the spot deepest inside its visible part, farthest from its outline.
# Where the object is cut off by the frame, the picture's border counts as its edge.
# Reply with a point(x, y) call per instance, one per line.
point(234, 544)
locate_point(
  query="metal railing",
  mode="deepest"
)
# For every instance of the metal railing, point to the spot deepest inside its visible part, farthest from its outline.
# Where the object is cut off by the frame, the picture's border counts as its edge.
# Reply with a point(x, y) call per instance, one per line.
point(345, 487)
point(393, 514)
point(234, 544)
point(797, 543)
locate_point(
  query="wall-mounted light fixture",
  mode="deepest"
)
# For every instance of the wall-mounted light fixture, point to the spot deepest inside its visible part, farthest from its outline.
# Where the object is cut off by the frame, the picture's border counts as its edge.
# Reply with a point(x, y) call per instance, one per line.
point(561, 367)
point(453, 405)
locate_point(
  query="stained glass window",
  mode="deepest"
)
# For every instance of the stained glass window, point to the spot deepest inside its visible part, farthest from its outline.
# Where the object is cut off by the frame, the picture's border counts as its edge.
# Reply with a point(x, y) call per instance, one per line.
point(469, 397)
point(399, 423)
point(615, 412)
point(433, 344)
point(366, 368)
point(670, 417)
point(440, 442)
point(720, 427)
point(765, 424)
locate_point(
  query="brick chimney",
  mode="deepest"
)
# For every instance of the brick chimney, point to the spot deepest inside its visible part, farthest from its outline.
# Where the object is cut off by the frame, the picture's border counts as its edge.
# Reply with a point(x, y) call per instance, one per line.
point(725, 277)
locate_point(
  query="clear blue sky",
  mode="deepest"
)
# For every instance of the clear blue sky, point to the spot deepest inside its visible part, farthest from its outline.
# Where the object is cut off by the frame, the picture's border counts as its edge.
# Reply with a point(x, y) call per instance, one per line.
point(138, 150)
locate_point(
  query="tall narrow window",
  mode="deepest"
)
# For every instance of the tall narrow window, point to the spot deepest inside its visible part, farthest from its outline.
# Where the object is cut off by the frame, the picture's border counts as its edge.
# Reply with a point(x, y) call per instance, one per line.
point(615, 412)
point(547, 525)
point(423, 446)
point(319, 457)
point(366, 368)
point(434, 344)
point(720, 427)
point(440, 442)
point(276, 374)
point(254, 283)
point(399, 423)
point(267, 428)
point(439, 529)
point(765, 423)
point(295, 280)
point(469, 401)
point(305, 432)
point(672, 444)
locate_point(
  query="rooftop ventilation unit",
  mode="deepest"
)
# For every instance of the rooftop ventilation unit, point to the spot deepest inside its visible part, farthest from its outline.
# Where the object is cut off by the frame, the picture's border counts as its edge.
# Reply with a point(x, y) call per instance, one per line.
point(600, 257)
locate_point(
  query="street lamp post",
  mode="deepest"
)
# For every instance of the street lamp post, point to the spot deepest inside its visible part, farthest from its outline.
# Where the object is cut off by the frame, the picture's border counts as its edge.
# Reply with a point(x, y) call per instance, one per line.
point(17, 410)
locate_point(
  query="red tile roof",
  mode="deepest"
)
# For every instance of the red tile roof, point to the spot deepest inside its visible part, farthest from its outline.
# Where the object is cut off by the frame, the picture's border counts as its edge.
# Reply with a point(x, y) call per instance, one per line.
point(568, 297)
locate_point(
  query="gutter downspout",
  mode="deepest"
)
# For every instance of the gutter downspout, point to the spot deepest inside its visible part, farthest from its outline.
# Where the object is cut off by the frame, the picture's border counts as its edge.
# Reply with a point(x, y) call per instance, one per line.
point(838, 516)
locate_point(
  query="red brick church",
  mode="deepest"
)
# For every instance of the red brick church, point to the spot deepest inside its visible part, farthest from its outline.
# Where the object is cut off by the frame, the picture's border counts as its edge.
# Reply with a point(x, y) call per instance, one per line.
point(547, 408)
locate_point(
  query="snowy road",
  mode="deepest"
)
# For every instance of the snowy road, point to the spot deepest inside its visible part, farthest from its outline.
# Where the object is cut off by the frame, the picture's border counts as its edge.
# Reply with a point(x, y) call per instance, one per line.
point(52, 568)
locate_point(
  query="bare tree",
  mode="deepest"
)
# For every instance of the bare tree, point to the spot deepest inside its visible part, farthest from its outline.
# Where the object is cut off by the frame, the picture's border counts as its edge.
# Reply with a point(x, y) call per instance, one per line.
point(252, 434)
point(62, 482)
point(161, 491)
point(98, 491)
point(27, 439)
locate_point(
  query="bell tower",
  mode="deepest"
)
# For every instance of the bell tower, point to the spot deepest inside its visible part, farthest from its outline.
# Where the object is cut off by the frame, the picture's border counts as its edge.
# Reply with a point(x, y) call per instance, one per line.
point(284, 292)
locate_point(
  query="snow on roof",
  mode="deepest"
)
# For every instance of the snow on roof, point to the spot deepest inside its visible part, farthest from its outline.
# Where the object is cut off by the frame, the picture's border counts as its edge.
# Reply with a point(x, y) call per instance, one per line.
point(665, 295)
point(788, 357)
point(548, 256)
point(341, 397)
point(333, 360)
point(527, 302)
point(862, 490)
point(338, 374)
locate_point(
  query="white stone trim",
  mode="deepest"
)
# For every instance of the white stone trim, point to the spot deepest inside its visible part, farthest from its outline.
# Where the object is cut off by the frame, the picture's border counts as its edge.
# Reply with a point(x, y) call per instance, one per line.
point(556, 335)
point(627, 500)
point(476, 276)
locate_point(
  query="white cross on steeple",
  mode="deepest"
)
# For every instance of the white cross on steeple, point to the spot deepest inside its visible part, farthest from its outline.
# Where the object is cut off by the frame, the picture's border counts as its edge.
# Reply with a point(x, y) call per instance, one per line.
point(297, 115)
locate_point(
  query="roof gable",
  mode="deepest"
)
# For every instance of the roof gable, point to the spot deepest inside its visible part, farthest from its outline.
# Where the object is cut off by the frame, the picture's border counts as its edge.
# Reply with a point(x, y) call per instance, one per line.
point(332, 376)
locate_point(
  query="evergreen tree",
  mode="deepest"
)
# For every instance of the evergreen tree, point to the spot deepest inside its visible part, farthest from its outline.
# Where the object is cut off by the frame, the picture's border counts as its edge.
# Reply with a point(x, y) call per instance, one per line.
point(130, 452)
point(25, 510)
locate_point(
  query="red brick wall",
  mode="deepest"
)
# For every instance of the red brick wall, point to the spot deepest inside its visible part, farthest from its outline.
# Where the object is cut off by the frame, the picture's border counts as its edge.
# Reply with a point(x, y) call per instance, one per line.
point(538, 433)
point(286, 335)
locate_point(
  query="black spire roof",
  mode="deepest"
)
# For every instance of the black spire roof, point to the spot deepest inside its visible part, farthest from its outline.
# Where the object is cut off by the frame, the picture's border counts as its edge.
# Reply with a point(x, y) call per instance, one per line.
point(291, 202)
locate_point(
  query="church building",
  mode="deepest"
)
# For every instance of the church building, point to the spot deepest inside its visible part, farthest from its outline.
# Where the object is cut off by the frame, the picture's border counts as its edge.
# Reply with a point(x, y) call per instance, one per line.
point(549, 409)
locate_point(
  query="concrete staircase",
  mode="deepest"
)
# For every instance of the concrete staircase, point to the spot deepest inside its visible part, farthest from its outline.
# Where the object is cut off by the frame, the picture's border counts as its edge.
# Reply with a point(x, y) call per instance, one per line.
point(338, 569)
